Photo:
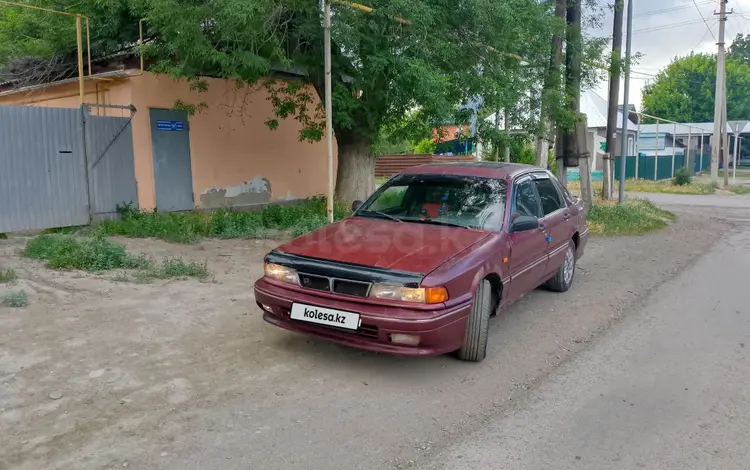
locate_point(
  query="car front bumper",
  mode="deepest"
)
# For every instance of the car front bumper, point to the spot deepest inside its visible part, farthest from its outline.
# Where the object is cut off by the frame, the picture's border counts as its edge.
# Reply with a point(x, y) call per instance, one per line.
point(440, 331)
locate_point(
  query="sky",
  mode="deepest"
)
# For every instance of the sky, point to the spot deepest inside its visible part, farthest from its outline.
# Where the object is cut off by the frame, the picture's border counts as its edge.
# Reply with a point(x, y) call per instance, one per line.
point(665, 29)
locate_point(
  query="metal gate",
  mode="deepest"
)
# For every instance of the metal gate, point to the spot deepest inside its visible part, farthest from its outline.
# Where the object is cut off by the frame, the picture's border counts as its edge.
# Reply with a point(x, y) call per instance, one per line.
point(44, 179)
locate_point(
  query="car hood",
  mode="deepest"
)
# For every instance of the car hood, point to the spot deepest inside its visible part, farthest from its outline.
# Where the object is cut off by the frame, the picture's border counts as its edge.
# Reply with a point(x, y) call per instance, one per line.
point(405, 246)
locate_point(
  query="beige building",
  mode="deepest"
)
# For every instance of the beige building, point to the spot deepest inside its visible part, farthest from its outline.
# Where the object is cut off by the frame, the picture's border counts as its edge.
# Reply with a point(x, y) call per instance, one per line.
point(223, 155)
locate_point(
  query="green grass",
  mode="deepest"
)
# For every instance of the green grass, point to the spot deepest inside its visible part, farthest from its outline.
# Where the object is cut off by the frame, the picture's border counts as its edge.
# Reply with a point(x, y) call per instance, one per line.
point(739, 189)
point(8, 275)
point(100, 254)
point(647, 186)
point(189, 227)
point(15, 299)
point(633, 217)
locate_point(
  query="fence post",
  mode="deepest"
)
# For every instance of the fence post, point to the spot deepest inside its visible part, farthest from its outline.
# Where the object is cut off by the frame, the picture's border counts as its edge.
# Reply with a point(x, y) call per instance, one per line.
point(83, 109)
point(637, 148)
point(674, 147)
point(656, 153)
point(700, 165)
point(687, 154)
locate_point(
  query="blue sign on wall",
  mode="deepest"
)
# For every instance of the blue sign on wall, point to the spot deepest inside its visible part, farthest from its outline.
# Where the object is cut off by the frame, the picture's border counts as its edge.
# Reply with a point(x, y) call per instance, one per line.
point(170, 125)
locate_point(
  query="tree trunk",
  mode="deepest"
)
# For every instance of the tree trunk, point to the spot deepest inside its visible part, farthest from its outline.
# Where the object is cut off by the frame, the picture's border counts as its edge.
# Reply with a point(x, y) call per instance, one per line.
point(572, 77)
point(551, 91)
point(355, 177)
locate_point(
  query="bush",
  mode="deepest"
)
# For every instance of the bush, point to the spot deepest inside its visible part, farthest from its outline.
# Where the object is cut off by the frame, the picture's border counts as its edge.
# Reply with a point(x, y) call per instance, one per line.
point(682, 177)
point(16, 299)
point(8, 275)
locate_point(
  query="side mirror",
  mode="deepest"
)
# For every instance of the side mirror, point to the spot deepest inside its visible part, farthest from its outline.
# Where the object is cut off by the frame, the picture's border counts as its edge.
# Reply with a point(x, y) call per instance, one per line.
point(356, 205)
point(523, 223)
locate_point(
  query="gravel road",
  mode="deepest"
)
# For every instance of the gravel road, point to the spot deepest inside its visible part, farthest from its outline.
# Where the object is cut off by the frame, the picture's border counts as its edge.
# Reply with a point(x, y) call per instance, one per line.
point(187, 376)
point(665, 389)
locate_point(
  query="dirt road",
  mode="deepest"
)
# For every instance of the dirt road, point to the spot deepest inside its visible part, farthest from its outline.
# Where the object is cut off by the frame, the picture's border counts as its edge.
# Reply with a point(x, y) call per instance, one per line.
point(668, 388)
point(185, 375)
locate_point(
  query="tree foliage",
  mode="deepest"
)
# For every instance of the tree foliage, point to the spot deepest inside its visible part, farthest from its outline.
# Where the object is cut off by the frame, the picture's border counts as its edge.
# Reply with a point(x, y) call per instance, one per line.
point(684, 91)
point(405, 57)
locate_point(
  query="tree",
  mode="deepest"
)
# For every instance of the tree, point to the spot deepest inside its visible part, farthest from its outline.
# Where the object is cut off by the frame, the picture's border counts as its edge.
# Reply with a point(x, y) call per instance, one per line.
point(739, 50)
point(405, 55)
point(684, 90)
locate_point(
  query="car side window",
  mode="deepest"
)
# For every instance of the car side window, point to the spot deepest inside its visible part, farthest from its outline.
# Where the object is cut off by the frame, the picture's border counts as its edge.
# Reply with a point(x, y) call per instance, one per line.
point(526, 200)
point(549, 195)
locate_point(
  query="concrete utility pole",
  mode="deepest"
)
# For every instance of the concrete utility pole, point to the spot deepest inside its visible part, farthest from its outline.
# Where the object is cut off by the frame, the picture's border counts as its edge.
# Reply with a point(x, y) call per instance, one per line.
point(614, 98)
point(719, 96)
point(328, 104)
point(625, 104)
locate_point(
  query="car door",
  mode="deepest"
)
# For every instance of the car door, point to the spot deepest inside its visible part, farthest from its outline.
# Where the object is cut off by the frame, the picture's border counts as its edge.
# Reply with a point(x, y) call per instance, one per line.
point(528, 249)
point(555, 216)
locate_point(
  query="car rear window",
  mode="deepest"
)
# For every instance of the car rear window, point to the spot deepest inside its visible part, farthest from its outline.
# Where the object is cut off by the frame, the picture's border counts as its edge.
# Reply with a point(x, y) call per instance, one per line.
point(471, 202)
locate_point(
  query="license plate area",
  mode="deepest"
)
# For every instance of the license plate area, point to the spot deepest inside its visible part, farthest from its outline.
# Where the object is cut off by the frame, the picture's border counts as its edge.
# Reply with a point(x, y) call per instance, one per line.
point(325, 316)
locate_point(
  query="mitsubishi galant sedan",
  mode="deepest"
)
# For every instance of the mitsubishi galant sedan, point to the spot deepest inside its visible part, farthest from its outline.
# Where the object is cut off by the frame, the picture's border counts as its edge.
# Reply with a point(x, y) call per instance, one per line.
point(421, 266)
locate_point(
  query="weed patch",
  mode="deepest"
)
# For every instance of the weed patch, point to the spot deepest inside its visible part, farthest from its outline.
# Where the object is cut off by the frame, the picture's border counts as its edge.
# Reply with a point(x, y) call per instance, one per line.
point(8, 275)
point(99, 254)
point(739, 189)
point(189, 227)
point(633, 217)
point(15, 299)
point(646, 186)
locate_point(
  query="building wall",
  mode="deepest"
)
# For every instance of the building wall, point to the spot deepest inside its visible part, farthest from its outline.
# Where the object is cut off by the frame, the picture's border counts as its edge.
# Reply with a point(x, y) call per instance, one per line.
point(236, 159)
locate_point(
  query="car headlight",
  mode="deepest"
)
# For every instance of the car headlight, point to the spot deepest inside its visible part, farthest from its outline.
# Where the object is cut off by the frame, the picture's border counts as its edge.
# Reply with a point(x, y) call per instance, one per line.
point(280, 273)
point(422, 295)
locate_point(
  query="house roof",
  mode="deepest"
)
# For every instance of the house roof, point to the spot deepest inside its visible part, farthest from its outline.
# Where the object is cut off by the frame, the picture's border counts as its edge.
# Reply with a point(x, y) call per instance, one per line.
point(595, 109)
point(694, 128)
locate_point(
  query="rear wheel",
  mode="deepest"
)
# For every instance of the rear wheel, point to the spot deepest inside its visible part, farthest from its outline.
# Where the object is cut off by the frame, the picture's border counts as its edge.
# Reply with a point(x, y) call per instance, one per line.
point(563, 279)
point(474, 348)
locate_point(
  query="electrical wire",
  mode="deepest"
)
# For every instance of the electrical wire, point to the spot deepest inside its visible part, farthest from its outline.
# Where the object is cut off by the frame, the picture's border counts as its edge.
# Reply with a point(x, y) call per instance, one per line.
point(704, 19)
point(704, 36)
point(668, 10)
point(667, 26)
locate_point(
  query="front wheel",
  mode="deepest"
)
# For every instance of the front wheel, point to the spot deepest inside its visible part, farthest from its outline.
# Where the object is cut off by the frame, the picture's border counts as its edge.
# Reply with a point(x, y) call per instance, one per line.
point(563, 279)
point(474, 348)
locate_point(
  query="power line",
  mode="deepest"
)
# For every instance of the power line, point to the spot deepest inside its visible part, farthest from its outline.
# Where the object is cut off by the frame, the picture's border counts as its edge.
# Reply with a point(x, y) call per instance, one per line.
point(704, 36)
point(668, 10)
point(704, 18)
point(668, 26)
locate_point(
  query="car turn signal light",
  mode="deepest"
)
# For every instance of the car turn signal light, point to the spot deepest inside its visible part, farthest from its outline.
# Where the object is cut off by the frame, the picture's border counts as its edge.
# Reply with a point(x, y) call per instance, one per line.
point(423, 295)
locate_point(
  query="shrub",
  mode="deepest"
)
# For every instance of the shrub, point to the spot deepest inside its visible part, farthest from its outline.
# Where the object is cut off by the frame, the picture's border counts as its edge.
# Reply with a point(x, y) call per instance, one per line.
point(682, 177)
point(15, 299)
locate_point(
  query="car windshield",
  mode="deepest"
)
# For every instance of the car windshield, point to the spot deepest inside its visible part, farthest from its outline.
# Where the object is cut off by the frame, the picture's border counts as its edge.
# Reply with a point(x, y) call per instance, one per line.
point(470, 202)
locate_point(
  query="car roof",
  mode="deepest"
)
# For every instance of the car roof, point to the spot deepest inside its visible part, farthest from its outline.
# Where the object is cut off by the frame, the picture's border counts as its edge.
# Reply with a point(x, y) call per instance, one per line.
point(498, 170)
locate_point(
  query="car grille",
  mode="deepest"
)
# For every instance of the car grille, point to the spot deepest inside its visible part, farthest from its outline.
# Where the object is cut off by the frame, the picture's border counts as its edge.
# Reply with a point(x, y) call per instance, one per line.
point(338, 286)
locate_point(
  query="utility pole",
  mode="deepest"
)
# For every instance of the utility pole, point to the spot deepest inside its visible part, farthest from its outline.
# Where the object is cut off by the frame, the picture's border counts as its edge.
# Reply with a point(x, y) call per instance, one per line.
point(328, 104)
point(625, 104)
point(614, 98)
point(719, 96)
point(570, 142)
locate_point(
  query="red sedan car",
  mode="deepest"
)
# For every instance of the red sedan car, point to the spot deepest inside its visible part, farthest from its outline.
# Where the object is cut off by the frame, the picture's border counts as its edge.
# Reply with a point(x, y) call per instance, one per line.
point(421, 266)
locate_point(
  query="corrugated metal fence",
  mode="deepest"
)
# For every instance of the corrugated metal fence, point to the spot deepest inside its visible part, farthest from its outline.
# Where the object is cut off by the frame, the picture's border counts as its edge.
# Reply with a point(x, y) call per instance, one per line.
point(389, 165)
point(44, 179)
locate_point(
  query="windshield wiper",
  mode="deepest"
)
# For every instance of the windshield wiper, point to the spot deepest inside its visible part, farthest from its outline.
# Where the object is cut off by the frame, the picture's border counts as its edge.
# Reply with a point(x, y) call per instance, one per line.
point(380, 214)
point(439, 222)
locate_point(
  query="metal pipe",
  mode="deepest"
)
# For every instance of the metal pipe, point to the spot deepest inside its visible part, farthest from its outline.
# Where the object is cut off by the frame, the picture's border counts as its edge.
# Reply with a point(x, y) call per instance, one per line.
point(674, 146)
point(625, 111)
point(637, 146)
point(687, 154)
point(88, 43)
point(80, 58)
point(656, 153)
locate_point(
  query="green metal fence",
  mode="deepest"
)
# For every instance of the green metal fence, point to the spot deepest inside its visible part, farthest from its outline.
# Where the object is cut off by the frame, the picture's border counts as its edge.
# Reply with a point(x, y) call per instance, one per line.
point(664, 169)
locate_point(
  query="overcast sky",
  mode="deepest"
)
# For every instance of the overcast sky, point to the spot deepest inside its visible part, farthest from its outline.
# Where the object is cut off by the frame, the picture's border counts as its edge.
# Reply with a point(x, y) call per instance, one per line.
point(665, 29)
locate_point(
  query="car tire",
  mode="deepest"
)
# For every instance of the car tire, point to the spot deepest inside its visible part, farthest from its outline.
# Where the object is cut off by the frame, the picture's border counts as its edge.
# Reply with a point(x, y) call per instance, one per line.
point(474, 348)
point(563, 279)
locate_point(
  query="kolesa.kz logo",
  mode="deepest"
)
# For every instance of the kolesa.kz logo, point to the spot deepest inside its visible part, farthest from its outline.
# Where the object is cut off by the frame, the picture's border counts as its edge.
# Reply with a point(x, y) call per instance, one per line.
point(317, 315)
